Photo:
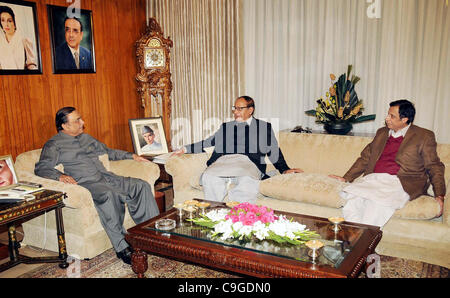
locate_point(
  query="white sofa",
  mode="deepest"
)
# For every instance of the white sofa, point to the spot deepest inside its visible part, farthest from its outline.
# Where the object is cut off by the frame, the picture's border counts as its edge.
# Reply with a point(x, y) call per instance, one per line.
point(414, 232)
point(84, 234)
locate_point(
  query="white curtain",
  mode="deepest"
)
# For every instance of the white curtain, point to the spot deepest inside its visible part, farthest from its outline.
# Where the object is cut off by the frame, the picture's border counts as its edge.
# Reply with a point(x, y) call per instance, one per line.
point(291, 47)
point(281, 52)
point(204, 63)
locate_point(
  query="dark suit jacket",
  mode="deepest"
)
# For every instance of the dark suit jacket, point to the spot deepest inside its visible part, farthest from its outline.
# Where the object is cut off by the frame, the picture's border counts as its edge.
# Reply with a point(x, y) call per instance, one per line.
point(255, 141)
point(64, 58)
point(417, 157)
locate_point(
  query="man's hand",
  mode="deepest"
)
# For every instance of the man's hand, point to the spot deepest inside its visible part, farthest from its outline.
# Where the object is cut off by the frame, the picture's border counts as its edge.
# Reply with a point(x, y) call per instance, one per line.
point(139, 158)
point(67, 179)
point(295, 170)
point(180, 151)
point(337, 177)
point(440, 200)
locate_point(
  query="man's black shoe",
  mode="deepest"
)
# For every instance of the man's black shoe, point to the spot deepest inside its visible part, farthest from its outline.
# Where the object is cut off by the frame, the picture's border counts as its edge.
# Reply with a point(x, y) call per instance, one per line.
point(125, 255)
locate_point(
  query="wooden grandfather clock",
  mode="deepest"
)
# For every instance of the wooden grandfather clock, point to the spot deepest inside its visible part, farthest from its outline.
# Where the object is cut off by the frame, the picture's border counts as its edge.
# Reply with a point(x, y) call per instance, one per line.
point(153, 77)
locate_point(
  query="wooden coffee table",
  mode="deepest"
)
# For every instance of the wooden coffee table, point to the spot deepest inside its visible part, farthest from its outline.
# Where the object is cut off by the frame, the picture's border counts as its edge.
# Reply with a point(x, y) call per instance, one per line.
point(344, 254)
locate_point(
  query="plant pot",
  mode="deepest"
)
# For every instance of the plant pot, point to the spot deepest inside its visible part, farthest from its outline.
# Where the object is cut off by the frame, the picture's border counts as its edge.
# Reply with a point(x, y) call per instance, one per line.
point(338, 128)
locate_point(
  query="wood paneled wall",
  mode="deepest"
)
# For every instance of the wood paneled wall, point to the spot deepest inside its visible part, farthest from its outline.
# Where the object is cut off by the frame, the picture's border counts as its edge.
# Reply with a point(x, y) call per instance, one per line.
point(106, 99)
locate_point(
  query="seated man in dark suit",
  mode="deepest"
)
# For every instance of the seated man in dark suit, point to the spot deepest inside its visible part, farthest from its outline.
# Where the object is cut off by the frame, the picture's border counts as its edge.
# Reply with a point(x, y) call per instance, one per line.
point(238, 159)
point(70, 55)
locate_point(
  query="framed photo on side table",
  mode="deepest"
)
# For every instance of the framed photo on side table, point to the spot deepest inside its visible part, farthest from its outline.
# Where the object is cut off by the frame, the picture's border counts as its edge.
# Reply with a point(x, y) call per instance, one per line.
point(148, 136)
point(20, 51)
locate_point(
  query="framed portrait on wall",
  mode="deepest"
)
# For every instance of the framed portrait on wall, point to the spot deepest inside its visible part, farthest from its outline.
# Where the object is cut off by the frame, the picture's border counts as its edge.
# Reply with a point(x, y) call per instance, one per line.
point(72, 40)
point(20, 51)
point(148, 136)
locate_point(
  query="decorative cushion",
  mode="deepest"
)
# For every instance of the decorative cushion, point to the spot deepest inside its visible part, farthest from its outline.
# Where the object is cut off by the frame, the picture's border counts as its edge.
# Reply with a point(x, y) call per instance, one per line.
point(424, 207)
point(316, 189)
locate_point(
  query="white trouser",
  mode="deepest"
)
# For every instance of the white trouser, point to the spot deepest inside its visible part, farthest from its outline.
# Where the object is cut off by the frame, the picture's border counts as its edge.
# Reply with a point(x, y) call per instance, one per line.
point(240, 189)
point(373, 199)
point(368, 212)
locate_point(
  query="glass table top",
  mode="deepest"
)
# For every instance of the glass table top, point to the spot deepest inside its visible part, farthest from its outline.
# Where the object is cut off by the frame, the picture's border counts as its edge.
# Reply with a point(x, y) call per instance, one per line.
point(337, 245)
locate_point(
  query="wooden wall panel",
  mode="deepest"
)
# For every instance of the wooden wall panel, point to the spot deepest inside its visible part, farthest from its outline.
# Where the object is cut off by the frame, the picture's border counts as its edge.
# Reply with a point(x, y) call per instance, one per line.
point(106, 99)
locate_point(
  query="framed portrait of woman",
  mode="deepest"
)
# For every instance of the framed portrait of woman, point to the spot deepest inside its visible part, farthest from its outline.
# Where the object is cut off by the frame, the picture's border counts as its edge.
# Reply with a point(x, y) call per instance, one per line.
point(8, 176)
point(72, 40)
point(20, 51)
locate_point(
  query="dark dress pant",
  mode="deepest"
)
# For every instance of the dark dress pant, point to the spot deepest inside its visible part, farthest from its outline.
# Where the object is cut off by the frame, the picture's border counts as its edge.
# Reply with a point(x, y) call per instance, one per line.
point(110, 196)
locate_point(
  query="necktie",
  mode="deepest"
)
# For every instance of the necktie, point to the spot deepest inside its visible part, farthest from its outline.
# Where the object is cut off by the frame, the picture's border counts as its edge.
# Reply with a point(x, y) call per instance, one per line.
point(77, 60)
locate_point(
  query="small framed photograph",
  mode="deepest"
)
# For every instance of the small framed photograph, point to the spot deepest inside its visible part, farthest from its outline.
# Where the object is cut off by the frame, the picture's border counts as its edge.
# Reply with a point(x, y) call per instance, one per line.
point(148, 136)
point(8, 176)
point(72, 40)
point(20, 51)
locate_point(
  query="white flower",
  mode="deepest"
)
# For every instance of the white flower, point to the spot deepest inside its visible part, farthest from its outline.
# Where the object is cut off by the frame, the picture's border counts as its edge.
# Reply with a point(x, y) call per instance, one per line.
point(245, 230)
point(237, 225)
point(261, 231)
point(217, 214)
point(286, 228)
point(224, 228)
point(278, 228)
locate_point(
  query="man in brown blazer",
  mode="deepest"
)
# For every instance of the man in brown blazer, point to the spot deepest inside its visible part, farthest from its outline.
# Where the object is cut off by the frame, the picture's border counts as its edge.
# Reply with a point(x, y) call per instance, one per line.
point(413, 160)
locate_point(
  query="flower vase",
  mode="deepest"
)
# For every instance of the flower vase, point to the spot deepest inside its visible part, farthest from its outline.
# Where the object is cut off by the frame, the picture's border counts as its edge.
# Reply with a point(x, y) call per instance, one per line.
point(338, 128)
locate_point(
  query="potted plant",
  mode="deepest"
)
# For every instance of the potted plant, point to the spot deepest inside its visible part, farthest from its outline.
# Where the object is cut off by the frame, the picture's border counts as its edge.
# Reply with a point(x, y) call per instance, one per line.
point(341, 107)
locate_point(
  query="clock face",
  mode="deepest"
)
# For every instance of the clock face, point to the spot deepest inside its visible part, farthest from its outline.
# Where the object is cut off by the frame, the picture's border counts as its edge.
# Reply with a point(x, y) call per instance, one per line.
point(154, 58)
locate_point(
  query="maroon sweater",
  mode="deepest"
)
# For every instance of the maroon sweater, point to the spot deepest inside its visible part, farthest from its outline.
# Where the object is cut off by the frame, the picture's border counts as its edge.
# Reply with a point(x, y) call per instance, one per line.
point(386, 163)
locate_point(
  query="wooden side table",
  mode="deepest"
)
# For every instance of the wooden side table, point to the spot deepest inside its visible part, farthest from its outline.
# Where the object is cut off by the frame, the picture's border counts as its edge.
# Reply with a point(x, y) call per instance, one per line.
point(17, 213)
point(163, 185)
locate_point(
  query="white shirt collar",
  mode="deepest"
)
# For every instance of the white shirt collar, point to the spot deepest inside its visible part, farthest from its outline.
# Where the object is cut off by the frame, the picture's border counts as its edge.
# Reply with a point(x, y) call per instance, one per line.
point(400, 132)
point(73, 51)
point(249, 120)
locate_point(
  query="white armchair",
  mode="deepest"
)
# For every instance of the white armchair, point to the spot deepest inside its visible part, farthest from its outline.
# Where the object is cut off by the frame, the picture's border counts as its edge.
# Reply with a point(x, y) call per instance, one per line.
point(85, 236)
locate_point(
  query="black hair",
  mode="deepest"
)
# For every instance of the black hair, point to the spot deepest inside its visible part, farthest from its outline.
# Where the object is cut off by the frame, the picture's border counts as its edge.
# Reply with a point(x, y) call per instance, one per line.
point(250, 102)
point(61, 117)
point(77, 19)
point(406, 109)
point(8, 9)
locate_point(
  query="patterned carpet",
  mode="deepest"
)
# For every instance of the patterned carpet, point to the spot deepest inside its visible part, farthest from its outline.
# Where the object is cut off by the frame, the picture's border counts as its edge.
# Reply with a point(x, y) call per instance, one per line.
point(107, 265)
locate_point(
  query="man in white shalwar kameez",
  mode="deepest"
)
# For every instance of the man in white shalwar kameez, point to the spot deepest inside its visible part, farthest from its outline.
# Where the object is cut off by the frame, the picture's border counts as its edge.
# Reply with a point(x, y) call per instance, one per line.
point(398, 165)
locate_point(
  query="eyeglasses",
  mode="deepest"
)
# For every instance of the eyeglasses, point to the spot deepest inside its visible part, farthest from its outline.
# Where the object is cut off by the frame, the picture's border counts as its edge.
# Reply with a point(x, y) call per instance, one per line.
point(233, 108)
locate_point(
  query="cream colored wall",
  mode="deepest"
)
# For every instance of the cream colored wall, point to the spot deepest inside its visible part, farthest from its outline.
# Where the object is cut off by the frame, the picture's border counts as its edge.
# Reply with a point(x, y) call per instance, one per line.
point(281, 53)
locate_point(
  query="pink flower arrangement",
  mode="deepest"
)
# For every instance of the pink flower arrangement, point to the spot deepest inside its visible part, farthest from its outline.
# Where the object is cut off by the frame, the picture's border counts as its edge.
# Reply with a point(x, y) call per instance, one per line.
point(248, 214)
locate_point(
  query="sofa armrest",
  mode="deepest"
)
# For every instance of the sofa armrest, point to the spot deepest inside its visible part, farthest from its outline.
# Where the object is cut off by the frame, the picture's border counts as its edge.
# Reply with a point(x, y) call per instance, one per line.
point(147, 171)
point(77, 196)
point(183, 167)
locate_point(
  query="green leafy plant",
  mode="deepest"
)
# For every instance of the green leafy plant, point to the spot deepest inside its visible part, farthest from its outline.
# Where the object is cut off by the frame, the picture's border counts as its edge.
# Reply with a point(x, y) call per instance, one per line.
point(342, 104)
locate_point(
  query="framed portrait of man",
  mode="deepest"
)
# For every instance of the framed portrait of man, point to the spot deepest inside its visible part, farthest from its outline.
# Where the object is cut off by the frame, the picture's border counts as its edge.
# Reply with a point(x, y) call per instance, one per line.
point(72, 40)
point(20, 51)
point(148, 136)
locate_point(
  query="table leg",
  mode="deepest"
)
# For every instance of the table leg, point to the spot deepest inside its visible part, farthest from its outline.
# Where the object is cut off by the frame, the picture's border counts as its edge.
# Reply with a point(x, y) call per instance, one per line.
point(61, 238)
point(13, 245)
point(139, 262)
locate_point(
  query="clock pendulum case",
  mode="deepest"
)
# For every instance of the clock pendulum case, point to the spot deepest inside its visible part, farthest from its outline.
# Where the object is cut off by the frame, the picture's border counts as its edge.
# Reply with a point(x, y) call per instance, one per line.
point(153, 77)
